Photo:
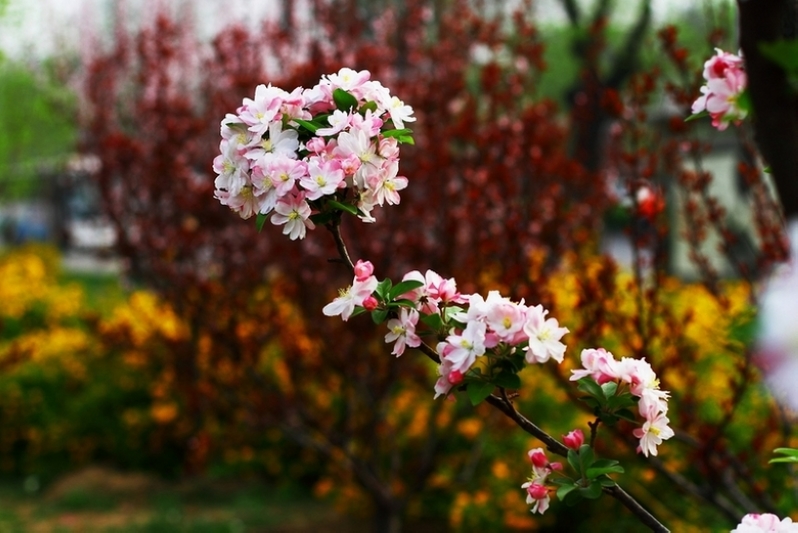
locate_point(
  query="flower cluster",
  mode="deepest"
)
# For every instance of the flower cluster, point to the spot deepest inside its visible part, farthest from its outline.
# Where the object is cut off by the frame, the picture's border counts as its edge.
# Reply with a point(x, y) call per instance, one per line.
point(499, 324)
point(722, 97)
point(537, 493)
point(300, 154)
point(765, 523)
point(637, 374)
point(473, 326)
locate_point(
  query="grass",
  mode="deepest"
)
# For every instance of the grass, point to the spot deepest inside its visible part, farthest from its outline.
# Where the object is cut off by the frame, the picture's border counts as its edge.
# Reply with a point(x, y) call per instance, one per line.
point(103, 501)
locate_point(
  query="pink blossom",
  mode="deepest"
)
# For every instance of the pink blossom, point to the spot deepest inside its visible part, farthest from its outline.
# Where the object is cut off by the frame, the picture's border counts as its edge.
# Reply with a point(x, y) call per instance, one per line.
point(259, 113)
point(574, 439)
point(765, 523)
point(293, 211)
point(350, 297)
point(597, 363)
point(276, 141)
point(370, 303)
point(721, 95)
point(363, 269)
point(322, 178)
point(538, 457)
point(652, 434)
point(403, 331)
point(544, 336)
point(400, 113)
point(537, 495)
point(467, 346)
point(338, 121)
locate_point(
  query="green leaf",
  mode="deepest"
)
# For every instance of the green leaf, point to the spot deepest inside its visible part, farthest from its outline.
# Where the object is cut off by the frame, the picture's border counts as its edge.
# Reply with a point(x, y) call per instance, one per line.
point(507, 380)
point(606, 482)
point(591, 492)
point(368, 106)
point(744, 101)
point(322, 218)
point(792, 452)
point(572, 498)
point(573, 460)
point(696, 116)
point(596, 471)
point(406, 139)
point(344, 100)
point(343, 207)
point(784, 460)
point(589, 386)
point(403, 287)
point(478, 391)
point(403, 303)
point(767, 170)
point(358, 311)
point(310, 126)
point(609, 389)
point(383, 288)
point(433, 321)
point(404, 132)
point(379, 315)
point(563, 491)
point(260, 220)
point(586, 457)
point(791, 455)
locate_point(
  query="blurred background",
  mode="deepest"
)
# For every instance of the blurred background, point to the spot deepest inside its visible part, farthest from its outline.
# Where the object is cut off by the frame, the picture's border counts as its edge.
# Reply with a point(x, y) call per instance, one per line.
point(165, 367)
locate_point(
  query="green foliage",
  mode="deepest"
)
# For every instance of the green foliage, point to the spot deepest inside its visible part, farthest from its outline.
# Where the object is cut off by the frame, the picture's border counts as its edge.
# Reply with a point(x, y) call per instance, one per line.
point(37, 126)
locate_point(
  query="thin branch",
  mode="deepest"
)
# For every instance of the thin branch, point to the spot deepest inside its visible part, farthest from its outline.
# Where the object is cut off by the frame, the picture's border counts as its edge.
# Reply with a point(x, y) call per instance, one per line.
point(335, 229)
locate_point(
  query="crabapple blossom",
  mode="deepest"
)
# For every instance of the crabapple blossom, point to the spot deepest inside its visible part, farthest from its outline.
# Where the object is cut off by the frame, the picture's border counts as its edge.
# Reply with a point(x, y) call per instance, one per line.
point(544, 336)
point(574, 439)
point(350, 297)
point(765, 523)
point(722, 94)
point(537, 496)
point(403, 331)
point(654, 431)
point(363, 270)
point(293, 211)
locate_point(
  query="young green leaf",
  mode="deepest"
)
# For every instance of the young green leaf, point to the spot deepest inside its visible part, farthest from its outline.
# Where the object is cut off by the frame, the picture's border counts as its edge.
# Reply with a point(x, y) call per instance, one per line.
point(383, 288)
point(595, 471)
point(379, 316)
point(478, 391)
point(260, 220)
point(344, 100)
point(591, 492)
point(397, 133)
point(590, 386)
point(696, 116)
point(343, 207)
point(403, 287)
point(563, 491)
point(310, 126)
point(507, 380)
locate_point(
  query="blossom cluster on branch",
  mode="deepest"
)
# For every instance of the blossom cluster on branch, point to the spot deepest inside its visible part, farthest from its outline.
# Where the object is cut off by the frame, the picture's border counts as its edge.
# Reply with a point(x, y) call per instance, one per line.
point(303, 155)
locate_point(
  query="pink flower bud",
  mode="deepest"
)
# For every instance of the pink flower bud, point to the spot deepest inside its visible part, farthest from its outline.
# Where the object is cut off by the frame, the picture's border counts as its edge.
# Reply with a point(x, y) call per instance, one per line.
point(537, 491)
point(315, 145)
point(455, 377)
point(574, 439)
point(370, 303)
point(363, 269)
point(538, 457)
point(556, 466)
